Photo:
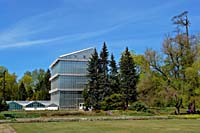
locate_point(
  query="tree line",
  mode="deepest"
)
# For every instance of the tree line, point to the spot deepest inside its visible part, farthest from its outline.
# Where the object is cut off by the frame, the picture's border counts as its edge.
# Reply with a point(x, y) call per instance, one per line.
point(33, 85)
point(170, 78)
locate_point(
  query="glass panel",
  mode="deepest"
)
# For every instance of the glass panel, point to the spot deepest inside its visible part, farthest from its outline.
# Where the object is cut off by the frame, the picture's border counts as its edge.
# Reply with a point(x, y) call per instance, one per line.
point(15, 106)
point(35, 105)
point(74, 77)
point(73, 67)
point(70, 99)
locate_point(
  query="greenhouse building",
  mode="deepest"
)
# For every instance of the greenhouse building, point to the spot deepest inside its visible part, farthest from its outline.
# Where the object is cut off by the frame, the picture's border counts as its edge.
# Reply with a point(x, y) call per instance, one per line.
point(31, 105)
point(69, 77)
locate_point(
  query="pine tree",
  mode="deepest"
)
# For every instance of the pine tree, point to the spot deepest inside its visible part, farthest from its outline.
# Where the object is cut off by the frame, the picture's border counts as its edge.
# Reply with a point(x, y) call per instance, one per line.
point(104, 82)
point(113, 77)
point(22, 94)
point(128, 77)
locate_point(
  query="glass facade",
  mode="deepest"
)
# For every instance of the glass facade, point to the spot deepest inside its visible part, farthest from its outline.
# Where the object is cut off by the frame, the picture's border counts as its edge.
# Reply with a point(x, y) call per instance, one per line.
point(55, 97)
point(69, 81)
point(14, 106)
point(71, 67)
point(70, 99)
point(69, 76)
point(35, 105)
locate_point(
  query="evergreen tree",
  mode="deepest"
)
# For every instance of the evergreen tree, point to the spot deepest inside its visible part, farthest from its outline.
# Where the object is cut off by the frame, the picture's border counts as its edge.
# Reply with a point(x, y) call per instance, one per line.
point(114, 76)
point(47, 77)
point(93, 88)
point(104, 82)
point(3, 105)
point(128, 77)
point(47, 84)
point(27, 81)
point(22, 95)
point(29, 93)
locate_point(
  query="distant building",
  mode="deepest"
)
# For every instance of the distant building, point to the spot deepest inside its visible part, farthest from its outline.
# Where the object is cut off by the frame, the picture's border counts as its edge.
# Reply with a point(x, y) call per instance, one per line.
point(69, 76)
point(31, 105)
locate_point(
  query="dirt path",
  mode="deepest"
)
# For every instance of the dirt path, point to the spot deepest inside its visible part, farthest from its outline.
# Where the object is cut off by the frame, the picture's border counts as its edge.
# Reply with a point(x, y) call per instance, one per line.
point(5, 128)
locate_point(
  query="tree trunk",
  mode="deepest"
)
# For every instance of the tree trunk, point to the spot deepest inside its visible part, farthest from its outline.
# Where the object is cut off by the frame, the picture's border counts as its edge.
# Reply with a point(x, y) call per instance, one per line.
point(178, 105)
point(191, 107)
point(126, 104)
point(177, 112)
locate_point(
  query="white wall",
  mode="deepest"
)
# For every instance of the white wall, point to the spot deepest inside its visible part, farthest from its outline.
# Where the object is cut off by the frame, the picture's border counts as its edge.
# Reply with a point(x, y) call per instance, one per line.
point(29, 109)
point(46, 108)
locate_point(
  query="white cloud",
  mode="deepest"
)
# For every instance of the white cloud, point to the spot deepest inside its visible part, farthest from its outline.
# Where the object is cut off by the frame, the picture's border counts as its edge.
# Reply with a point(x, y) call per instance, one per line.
point(67, 38)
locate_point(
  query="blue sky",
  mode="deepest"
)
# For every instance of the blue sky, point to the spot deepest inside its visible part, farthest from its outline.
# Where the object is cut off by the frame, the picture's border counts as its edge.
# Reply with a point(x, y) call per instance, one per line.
point(33, 33)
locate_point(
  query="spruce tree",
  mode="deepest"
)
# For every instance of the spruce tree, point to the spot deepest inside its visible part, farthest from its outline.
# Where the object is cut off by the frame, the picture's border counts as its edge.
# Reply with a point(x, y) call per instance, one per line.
point(104, 83)
point(113, 76)
point(128, 77)
point(47, 83)
point(22, 94)
point(94, 96)
point(44, 86)
point(42, 92)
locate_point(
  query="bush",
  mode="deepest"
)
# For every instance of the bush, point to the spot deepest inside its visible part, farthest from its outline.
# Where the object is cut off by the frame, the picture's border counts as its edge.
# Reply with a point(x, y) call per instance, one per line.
point(138, 106)
point(2, 116)
point(113, 102)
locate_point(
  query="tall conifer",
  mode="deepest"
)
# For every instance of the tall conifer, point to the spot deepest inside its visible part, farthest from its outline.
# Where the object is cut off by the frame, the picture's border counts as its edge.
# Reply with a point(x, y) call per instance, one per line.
point(22, 94)
point(104, 82)
point(113, 76)
point(128, 77)
point(93, 97)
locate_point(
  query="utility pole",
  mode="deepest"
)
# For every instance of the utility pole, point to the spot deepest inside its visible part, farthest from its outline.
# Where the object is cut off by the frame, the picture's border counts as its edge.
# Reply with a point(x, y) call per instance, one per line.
point(182, 20)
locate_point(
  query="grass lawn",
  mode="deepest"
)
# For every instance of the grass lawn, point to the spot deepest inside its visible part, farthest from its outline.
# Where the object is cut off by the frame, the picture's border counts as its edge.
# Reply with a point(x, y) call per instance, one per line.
point(119, 126)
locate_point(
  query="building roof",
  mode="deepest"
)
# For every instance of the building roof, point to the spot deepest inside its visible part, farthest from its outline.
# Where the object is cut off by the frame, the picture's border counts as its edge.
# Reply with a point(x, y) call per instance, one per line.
point(76, 52)
point(67, 56)
point(25, 103)
point(46, 103)
point(53, 105)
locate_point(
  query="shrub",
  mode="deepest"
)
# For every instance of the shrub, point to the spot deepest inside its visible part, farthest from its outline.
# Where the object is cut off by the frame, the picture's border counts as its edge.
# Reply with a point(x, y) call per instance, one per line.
point(2, 116)
point(113, 102)
point(138, 106)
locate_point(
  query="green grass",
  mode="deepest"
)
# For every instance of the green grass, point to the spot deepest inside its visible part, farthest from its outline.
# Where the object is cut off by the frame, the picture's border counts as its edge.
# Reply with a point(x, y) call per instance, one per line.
point(125, 126)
